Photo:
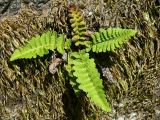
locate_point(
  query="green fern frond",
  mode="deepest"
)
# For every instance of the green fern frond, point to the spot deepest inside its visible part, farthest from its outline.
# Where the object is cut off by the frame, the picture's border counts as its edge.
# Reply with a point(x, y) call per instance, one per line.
point(77, 23)
point(40, 45)
point(110, 39)
point(84, 69)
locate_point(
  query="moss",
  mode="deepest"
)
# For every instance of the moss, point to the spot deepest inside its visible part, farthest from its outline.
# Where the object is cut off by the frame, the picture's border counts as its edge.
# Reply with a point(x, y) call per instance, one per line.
point(29, 91)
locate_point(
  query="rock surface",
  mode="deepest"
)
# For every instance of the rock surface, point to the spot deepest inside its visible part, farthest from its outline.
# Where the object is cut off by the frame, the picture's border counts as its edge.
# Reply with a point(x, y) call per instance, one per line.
point(10, 7)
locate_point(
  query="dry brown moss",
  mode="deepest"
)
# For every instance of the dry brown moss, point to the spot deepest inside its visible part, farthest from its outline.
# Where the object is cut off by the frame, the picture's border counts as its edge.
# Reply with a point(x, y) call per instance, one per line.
point(29, 91)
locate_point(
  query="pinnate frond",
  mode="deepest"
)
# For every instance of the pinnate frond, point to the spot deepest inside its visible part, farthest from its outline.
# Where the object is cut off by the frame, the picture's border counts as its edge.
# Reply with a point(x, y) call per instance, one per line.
point(40, 45)
point(77, 23)
point(110, 39)
point(84, 69)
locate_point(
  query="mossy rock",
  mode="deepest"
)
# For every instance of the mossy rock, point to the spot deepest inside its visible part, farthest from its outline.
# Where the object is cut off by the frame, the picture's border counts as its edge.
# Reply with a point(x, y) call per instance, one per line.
point(29, 91)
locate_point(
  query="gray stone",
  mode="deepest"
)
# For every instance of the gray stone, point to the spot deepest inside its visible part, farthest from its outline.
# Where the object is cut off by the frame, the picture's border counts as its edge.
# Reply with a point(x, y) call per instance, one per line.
point(9, 7)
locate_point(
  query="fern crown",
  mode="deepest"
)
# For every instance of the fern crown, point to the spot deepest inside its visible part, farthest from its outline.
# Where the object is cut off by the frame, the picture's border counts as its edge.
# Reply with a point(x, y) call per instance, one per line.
point(81, 68)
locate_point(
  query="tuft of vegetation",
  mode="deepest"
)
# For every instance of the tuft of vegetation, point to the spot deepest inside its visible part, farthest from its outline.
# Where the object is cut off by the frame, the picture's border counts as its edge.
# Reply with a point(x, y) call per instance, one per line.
point(79, 65)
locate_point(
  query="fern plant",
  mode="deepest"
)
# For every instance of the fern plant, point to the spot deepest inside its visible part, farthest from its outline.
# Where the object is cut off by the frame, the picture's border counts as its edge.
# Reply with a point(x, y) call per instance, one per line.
point(82, 70)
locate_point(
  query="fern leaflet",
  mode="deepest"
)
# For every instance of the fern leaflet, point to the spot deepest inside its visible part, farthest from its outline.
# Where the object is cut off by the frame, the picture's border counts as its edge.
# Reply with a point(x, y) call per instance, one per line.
point(110, 39)
point(84, 69)
point(40, 45)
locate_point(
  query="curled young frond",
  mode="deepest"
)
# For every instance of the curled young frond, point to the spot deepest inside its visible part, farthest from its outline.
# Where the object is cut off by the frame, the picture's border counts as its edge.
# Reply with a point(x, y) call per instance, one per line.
point(40, 45)
point(77, 23)
point(110, 39)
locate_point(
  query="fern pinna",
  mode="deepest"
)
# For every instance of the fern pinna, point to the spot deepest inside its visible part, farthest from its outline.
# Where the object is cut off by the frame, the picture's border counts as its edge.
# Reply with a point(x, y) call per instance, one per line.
point(81, 69)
